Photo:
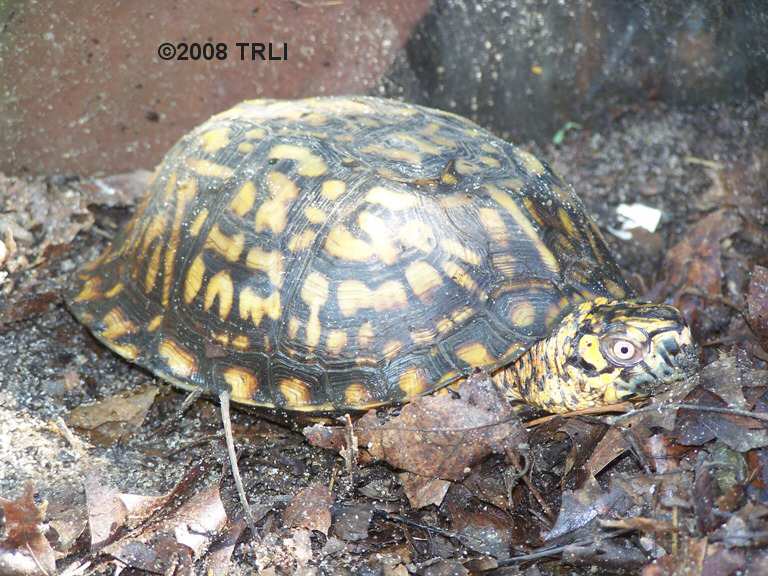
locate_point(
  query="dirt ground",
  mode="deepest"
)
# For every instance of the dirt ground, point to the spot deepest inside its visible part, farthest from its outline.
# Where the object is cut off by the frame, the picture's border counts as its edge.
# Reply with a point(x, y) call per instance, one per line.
point(664, 492)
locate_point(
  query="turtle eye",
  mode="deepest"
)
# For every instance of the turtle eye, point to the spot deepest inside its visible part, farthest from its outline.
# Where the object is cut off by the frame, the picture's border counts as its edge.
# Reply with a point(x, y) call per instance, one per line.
point(622, 351)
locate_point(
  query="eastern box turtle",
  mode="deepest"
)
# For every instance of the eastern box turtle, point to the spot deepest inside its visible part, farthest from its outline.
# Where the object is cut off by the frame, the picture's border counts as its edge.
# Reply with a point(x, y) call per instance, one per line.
point(336, 254)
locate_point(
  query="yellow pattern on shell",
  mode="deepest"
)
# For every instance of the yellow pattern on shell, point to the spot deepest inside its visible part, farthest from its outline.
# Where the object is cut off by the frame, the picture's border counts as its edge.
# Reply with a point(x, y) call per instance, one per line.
point(271, 263)
point(391, 199)
point(115, 290)
point(303, 241)
point(365, 335)
point(204, 167)
point(315, 215)
point(229, 247)
point(272, 213)
point(198, 222)
point(185, 192)
point(475, 354)
point(244, 199)
point(154, 324)
point(253, 307)
point(332, 189)
point(356, 395)
point(214, 140)
point(242, 383)
point(180, 361)
point(194, 280)
point(116, 324)
point(354, 295)
point(423, 278)
point(337, 340)
point(89, 291)
point(309, 164)
point(342, 244)
point(523, 315)
point(153, 268)
point(412, 382)
point(314, 292)
point(295, 392)
point(509, 204)
point(530, 162)
point(220, 286)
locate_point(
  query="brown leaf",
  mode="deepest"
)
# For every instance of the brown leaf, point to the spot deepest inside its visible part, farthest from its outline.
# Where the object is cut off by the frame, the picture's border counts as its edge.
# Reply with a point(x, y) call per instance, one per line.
point(184, 534)
point(25, 551)
point(27, 307)
point(436, 436)
point(110, 510)
point(610, 447)
point(483, 528)
point(113, 418)
point(693, 266)
point(757, 304)
point(220, 557)
point(310, 508)
point(698, 557)
point(422, 491)
point(440, 437)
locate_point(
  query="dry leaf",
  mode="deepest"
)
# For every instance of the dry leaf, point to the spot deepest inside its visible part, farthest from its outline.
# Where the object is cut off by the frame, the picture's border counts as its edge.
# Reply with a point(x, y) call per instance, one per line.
point(422, 491)
point(434, 436)
point(310, 508)
point(110, 510)
point(111, 419)
point(25, 551)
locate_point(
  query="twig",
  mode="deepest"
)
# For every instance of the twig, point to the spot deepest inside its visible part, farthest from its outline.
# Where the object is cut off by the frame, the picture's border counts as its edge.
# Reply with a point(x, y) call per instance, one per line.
point(512, 456)
point(761, 416)
point(74, 442)
point(555, 550)
point(224, 403)
point(618, 407)
point(703, 162)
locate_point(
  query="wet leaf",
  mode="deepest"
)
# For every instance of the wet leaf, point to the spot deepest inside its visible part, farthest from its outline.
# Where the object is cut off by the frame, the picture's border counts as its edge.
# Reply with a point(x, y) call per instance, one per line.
point(695, 428)
point(422, 491)
point(757, 304)
point(582, 506)
point(25, 551)
point(482, 528)
point(113, 418)
point(350, 523)
point(310, 508)
point(693, 267)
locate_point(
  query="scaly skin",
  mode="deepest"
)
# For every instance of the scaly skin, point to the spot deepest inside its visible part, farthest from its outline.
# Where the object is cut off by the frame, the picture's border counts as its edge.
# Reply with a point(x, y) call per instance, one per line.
point(577, 367)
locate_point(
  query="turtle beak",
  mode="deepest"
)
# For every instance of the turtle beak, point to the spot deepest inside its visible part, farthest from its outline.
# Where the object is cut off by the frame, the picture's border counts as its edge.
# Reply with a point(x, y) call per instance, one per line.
point(673, 356)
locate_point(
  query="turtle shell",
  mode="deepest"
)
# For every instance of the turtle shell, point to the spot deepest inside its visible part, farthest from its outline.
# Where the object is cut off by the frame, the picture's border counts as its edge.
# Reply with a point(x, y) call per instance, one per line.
point(341, 253)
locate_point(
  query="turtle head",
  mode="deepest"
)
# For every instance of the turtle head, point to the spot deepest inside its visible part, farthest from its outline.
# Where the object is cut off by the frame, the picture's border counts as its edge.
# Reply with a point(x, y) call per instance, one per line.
point(627, 350)
point(604, 352)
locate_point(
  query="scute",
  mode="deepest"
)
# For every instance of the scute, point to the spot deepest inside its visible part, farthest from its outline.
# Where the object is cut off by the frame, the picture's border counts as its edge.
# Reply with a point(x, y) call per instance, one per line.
point(340, 253)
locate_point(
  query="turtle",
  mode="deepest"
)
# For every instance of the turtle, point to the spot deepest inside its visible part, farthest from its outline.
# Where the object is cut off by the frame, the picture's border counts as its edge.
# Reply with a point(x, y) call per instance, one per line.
point(336, 254)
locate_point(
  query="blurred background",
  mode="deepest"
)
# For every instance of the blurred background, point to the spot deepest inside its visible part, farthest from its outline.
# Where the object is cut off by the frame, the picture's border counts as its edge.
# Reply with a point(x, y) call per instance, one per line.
point(83, 91)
